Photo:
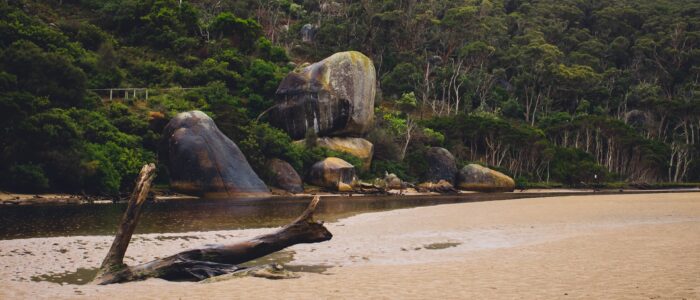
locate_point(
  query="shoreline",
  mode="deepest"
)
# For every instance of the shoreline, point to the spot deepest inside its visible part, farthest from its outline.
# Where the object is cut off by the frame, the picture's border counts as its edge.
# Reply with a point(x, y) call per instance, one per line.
point(593, 246)
point(12, 199)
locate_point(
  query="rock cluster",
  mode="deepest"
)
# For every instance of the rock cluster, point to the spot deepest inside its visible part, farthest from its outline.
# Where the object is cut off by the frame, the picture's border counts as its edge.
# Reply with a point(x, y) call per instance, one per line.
point(442, 186)
point(334, 98)
point(442, 175)
point(393, 182)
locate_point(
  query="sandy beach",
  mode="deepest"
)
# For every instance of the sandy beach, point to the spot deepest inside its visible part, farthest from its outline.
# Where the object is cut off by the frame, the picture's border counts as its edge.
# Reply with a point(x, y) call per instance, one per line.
point(644, 246)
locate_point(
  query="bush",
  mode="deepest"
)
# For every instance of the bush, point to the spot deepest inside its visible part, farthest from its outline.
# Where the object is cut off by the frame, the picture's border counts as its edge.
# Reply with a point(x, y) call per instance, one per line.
point(107, 168)
point(99, 173)
point(385, 147)
point(243, 32)
point(44, 73)
point(402, 79)
point(26, 178)
point(379, 167)
point(262, 141)
point(575, 167)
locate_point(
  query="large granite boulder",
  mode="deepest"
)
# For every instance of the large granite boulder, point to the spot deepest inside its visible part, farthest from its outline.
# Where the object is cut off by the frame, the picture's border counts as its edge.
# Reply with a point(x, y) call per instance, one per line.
point(441, 165)
point(284, 176)
point(204, 162)
point(333, 97)
point(357, 147)
point(333, 173)
point(474, 177)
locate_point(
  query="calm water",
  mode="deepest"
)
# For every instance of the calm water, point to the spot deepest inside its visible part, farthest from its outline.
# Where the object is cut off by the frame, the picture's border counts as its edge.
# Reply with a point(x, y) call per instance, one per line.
point(207, 215)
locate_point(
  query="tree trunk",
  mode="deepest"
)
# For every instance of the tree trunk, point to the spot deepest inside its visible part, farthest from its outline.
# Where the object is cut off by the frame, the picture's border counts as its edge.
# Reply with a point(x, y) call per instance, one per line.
point(202, 263)
point(115, 256)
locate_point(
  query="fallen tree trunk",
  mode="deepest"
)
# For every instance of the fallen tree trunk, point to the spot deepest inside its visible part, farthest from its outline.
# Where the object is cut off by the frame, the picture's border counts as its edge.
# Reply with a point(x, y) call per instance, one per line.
point(199, 264)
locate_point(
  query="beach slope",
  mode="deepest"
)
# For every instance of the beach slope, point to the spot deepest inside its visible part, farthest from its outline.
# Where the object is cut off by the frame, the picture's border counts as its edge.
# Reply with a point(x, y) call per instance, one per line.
point(611, 246)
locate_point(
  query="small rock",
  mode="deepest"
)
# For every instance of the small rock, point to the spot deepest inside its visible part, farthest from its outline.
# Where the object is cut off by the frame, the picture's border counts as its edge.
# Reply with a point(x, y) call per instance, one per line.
point(331, 172)
point(284, 176)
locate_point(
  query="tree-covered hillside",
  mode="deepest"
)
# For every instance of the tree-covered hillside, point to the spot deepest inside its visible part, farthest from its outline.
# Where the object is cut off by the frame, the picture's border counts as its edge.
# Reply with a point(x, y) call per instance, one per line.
point(543, 90)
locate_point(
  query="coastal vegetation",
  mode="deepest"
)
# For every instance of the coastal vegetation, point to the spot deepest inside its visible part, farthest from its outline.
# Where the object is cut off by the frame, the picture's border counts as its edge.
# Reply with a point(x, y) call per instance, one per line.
point(554, 92)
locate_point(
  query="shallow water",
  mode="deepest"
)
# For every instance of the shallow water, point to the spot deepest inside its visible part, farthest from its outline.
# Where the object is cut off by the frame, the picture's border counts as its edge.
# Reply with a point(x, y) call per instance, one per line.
point(78, 277)
point(207, 215)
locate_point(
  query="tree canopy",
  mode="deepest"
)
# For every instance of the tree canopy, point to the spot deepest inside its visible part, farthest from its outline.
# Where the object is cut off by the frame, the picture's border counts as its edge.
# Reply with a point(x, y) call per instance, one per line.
point(542, 90)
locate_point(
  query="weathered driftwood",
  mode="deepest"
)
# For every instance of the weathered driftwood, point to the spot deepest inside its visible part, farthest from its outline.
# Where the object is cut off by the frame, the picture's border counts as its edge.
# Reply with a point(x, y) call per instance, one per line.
point(199, 264)
point(115, 257)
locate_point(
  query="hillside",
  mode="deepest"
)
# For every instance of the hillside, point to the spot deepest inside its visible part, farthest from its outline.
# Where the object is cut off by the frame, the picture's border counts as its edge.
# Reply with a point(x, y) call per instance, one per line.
point(545, 91)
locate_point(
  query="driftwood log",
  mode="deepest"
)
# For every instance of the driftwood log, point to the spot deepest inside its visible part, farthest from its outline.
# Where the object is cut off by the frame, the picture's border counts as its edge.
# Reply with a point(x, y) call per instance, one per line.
point(202, 263)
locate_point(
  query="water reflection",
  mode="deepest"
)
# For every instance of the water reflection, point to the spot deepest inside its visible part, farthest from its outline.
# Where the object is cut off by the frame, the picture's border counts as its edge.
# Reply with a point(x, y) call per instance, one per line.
point(207, 215)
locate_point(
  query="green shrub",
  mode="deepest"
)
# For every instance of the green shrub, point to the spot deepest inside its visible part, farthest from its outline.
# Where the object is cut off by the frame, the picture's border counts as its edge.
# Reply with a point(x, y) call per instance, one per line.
point(380, 167)
point(262, 141)
point(26, 178)
point(575, 167)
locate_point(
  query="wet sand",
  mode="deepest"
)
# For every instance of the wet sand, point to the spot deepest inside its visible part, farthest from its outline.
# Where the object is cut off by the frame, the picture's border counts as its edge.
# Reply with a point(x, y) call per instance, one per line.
point(8, 198)
point(602, 246)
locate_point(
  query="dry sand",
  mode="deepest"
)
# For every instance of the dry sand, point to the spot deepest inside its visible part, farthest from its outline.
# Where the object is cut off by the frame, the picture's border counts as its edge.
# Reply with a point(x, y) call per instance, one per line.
point(613, 246)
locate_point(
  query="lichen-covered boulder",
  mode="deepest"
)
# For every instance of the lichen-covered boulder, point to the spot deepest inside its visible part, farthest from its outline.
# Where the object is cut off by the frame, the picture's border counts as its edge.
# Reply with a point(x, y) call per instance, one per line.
point(333, 97)
point(333, 173)
point(474, 177)
point(441, 165)
point(284, 176)
point(204, 162)
point(357, 147)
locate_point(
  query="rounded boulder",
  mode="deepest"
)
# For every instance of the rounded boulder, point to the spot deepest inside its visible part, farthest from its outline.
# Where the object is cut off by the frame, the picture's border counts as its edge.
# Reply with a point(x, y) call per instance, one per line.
point(333, 173)
point(204, 162)
point(284, 176)
point(441, 165)
point(477, 178)
point(333, 97)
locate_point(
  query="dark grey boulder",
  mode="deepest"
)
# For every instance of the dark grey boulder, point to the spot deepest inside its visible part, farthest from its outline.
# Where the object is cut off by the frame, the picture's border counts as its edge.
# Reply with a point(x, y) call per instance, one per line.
point(204, 162)
point(333, 97)
point(441, 165)
point(284, 176)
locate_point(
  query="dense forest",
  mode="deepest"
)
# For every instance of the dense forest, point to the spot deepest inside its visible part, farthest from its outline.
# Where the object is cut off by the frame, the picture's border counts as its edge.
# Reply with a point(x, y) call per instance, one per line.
point(545, 91)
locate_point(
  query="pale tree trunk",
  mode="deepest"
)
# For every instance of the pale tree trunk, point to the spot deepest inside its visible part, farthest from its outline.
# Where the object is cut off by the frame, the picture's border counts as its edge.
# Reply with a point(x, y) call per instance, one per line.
point(410, 126)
